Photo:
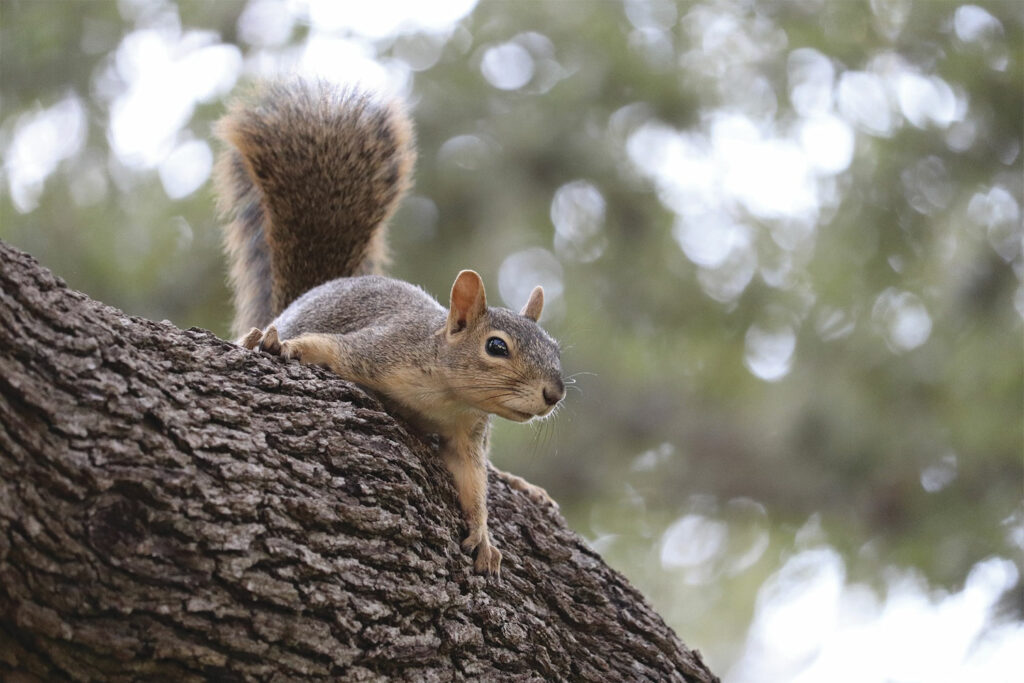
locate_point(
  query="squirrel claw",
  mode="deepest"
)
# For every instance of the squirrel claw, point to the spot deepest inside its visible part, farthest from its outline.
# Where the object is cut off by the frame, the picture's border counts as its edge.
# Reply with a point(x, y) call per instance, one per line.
point(270, 342)
point(487, 561)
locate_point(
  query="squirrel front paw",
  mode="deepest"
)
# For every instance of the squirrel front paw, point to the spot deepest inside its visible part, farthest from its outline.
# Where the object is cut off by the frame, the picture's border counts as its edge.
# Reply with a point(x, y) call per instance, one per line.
point(259, 340)
point(488, 561)
point(487, 558)
point(270, 342)
point(291, 350)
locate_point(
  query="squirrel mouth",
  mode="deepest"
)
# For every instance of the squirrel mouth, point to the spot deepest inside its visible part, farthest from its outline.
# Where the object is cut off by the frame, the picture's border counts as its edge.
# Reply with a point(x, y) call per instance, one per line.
point(518, 415)
point(523, 416)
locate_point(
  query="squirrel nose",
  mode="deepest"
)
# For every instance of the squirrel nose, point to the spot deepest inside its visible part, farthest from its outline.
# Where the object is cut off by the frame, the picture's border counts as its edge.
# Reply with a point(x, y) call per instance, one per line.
point(553, 393)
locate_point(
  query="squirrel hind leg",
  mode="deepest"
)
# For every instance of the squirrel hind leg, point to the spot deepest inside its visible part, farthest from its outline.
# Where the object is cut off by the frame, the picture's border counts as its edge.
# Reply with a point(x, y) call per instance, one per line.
point(535, 493)
point(252, 339)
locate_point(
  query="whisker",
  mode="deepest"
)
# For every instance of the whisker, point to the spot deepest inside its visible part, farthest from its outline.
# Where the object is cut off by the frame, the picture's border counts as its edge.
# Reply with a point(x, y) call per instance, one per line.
point(574, 375)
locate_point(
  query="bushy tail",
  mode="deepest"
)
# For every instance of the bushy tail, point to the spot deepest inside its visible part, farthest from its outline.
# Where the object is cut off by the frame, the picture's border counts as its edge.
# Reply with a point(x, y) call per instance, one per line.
point(311, 175)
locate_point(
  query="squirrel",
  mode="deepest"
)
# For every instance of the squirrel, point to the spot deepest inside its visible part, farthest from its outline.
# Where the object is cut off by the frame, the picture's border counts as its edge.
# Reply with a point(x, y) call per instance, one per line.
point(309, 176)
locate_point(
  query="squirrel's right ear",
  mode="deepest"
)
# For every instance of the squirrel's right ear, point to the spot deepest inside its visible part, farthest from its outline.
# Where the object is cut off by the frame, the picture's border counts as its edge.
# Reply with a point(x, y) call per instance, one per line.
point(468, 301)
point(534, 304)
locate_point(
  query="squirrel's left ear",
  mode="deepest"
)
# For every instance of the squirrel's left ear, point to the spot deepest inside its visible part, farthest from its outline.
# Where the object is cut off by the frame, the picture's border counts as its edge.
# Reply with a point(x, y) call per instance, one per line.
point(468, 301)
point(534, 304)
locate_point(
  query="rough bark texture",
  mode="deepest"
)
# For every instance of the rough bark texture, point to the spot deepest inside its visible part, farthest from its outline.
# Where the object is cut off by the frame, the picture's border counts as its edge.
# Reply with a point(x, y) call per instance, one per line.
point(174, 507)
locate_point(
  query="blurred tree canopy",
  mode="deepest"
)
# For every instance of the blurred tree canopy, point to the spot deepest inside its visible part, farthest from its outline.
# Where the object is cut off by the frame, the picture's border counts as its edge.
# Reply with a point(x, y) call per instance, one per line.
point(781, 244)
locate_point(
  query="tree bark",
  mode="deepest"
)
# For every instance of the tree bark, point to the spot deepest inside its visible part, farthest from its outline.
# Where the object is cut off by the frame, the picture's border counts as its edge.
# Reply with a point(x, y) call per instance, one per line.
point(175, 507)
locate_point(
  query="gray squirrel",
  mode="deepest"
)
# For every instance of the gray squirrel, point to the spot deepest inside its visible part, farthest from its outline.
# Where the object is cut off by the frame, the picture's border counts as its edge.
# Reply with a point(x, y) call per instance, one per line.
point(308, 179)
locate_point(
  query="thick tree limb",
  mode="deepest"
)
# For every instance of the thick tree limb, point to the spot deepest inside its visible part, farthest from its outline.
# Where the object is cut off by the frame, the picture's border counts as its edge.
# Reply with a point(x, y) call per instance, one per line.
point(174, 507)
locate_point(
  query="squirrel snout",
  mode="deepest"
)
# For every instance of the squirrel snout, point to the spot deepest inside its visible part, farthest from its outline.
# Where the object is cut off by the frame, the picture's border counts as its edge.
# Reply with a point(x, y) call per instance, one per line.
point(554, 392)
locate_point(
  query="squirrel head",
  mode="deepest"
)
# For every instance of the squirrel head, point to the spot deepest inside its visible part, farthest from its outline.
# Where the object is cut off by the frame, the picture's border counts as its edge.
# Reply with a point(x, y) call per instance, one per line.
point(499, 361)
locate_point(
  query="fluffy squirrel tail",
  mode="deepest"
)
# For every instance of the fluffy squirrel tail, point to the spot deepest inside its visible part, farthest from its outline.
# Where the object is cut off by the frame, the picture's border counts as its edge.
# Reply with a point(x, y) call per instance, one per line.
point(310, 175)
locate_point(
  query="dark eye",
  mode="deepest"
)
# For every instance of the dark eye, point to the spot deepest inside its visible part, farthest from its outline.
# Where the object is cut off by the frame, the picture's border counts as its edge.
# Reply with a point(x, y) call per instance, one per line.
point(497, 347)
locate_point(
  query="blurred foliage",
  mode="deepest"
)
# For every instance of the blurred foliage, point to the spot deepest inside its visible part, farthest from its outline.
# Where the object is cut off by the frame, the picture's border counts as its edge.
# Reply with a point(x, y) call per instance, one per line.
point(897, 450)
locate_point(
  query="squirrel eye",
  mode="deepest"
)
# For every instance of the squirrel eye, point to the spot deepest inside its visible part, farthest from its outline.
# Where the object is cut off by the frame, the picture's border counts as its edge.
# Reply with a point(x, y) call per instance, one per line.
point(497, 347)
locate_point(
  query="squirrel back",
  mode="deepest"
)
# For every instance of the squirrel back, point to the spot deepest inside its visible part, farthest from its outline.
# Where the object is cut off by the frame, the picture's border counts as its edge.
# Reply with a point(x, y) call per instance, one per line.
point(310, 177)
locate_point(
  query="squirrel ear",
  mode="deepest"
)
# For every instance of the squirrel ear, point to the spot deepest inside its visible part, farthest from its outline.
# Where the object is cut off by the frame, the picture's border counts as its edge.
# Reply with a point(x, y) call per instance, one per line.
point(534, 304)
point(468, 301)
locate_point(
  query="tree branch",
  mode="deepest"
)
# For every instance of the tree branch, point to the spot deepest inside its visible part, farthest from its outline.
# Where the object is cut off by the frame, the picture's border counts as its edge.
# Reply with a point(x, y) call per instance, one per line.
point(173, 506)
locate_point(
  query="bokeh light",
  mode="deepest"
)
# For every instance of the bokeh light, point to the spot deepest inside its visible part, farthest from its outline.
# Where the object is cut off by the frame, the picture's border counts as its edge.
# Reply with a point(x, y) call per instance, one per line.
point(781, 245)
